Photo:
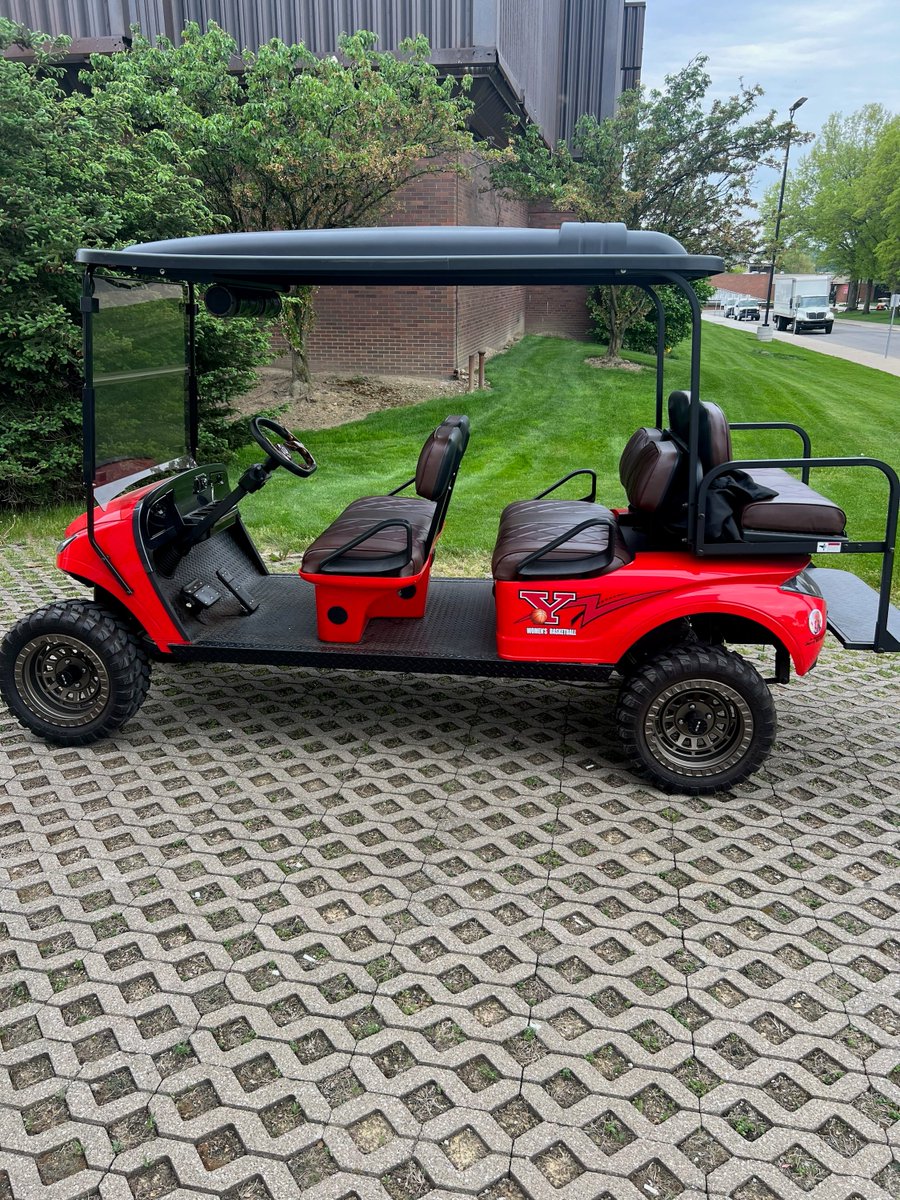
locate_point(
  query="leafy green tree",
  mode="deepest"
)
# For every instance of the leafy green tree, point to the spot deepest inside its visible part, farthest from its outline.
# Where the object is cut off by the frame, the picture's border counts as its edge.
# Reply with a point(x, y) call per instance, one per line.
point(882, 184)
point(293, 141)
point(830, 201)
point(641, 335)
point(667, 160)
point(63, 184)
point(73, 175)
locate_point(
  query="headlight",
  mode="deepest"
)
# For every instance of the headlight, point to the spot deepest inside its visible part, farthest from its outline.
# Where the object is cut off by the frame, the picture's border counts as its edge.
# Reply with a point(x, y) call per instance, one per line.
point(66, 542)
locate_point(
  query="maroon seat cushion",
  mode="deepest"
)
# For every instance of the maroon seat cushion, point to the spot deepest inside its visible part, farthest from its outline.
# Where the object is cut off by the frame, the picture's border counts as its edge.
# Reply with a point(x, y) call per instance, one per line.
point(796, 508)
point(362, 515)
point(527, 525)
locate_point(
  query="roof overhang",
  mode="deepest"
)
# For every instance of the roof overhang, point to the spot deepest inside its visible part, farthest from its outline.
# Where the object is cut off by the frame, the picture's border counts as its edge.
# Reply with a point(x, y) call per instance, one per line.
point(574, 253)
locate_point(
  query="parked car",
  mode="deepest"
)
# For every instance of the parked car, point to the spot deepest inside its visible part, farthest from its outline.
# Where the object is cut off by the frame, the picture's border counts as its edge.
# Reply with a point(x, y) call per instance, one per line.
point(747, 310)
point(730, 311)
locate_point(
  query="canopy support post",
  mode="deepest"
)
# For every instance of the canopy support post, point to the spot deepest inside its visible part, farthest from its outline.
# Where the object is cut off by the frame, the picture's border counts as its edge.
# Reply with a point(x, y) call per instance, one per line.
point(690, 295)
point(660, 348)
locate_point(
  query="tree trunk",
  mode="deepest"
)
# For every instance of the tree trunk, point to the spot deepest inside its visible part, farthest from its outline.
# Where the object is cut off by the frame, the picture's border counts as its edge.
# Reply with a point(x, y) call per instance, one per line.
point(297, 317)
point(852, 295)
point(870, 288)
point(616, 332)
point(301, 380)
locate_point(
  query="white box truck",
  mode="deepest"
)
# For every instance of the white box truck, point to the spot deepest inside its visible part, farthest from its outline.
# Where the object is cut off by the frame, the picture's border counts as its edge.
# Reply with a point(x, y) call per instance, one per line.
point(801, 303)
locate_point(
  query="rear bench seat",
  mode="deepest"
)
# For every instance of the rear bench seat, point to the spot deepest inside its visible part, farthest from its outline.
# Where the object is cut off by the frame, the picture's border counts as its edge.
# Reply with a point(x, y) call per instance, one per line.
point(797, 508)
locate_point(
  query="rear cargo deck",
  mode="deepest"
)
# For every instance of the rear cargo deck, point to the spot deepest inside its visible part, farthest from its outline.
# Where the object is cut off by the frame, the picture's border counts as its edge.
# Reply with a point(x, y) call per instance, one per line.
point(853, 610)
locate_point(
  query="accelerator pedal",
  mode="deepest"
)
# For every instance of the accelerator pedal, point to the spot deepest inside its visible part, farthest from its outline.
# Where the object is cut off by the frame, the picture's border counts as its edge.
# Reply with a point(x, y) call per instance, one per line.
point(240, 593)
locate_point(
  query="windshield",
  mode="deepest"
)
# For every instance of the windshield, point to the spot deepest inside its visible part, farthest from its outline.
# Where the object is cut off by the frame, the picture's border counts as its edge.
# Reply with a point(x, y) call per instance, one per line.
point(140, 382)
point(812, 302)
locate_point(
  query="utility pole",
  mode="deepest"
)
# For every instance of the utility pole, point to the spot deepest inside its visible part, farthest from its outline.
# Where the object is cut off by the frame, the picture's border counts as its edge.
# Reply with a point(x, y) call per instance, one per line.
point(787, 150)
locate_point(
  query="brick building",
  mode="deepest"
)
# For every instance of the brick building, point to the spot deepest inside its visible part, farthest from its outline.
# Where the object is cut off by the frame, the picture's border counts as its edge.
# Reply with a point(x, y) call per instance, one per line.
point(546, 61)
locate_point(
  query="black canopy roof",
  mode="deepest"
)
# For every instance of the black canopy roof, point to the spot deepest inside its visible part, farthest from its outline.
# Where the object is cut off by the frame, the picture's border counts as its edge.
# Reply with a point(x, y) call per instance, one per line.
point(575, 253)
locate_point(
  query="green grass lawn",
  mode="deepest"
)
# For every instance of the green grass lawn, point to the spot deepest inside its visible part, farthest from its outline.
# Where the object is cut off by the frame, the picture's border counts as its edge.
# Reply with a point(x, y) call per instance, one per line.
point(547, 412)
point(882, 318)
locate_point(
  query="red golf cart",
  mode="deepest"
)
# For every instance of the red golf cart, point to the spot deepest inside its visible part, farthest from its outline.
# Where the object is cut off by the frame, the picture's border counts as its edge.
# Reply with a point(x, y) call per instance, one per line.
point(711, 551)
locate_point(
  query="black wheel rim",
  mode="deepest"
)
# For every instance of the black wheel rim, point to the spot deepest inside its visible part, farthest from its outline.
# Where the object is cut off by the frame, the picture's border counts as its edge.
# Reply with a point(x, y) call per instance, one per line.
point(62, 680)
point(698, 727)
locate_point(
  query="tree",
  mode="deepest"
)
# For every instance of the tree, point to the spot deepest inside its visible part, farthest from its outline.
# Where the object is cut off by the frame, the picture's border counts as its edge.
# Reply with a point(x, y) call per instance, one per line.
point(830, 199)
point(292, 141)
point(882, 184)
point(71, 177)
point(666, 160)
point(642, 334)
point(61, 188)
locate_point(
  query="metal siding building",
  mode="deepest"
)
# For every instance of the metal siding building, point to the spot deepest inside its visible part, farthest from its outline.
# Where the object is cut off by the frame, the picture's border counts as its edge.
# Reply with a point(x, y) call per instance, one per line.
point(548, 60)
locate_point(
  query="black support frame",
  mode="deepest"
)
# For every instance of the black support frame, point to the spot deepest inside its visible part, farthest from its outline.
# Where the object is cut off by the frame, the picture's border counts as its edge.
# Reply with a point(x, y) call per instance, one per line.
point(808, 545)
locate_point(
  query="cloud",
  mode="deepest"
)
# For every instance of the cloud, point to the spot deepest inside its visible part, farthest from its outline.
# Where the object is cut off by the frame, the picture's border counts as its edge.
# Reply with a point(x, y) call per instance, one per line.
point(828, 47)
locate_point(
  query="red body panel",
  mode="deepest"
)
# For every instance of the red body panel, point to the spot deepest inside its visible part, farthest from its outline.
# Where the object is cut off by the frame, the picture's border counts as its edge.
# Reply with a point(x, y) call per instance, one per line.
point(114, 533)
point(599, 620)
point(579, 621)
point(358, 598)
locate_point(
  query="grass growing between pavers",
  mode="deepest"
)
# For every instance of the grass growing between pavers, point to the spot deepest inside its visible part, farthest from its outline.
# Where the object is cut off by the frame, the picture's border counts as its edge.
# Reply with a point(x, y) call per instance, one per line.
point(547, 412)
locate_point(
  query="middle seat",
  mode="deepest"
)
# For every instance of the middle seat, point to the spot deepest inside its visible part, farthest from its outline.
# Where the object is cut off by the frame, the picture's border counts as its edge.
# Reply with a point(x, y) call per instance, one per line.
point(558, 539)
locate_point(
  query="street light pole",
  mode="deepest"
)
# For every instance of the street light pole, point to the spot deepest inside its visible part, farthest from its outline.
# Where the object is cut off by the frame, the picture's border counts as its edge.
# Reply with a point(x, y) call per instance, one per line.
point(787, 150)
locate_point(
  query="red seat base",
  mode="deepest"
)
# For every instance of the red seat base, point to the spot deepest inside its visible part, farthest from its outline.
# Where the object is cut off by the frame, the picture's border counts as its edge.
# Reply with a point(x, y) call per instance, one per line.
point(346, 603)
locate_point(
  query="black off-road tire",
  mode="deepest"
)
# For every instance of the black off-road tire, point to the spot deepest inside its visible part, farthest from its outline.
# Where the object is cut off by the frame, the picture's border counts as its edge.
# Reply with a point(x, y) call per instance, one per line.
point(73, 672)
point(696, 719)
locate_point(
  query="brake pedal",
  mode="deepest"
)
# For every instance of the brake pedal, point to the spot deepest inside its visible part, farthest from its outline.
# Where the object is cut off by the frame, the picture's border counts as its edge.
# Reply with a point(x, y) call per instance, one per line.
point(198, 596)
point(240, 593)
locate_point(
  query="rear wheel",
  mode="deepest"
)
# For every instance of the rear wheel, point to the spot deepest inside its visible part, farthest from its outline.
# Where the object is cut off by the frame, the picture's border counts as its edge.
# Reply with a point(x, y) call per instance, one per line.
point(696, 719)
point(72, 672)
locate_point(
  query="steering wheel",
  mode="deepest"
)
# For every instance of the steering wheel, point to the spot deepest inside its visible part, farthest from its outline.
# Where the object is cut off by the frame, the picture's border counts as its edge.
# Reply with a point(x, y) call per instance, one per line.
point(281, 451)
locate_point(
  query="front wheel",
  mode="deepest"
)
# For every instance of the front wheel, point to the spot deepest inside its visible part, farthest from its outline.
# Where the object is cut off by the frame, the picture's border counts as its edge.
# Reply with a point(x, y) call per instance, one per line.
point(696, 719)
point(829, 326)
point(72, 672)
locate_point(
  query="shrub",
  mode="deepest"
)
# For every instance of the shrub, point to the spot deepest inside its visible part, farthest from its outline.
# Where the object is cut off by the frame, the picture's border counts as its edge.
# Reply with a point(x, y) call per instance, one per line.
point(641, 336)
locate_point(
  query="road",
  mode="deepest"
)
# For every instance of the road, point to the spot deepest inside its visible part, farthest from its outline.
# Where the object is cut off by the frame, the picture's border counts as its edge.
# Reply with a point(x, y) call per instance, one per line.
point(856, 341)
point(860, 335)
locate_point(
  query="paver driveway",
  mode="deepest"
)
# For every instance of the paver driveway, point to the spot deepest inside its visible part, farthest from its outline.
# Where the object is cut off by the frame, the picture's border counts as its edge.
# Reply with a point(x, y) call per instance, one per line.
point(350, 935)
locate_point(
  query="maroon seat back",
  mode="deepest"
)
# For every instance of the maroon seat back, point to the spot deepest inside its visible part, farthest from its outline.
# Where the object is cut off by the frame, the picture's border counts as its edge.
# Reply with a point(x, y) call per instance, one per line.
point(647, 469)
point(440, 457)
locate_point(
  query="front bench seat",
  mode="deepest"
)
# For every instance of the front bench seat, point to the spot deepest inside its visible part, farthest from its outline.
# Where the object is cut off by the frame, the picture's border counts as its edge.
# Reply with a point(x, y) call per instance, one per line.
point(394, 535)
point(797, 508)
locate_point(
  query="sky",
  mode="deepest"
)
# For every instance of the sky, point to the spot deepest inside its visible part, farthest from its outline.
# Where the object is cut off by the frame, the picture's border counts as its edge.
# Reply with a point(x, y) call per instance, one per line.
point(840, 53)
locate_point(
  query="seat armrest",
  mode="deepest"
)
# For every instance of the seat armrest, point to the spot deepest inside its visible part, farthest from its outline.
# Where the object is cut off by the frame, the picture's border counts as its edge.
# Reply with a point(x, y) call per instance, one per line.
point(402, 487)
point(590, 498)
point(385, 565)
point(798, 429)
point(587, 564)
